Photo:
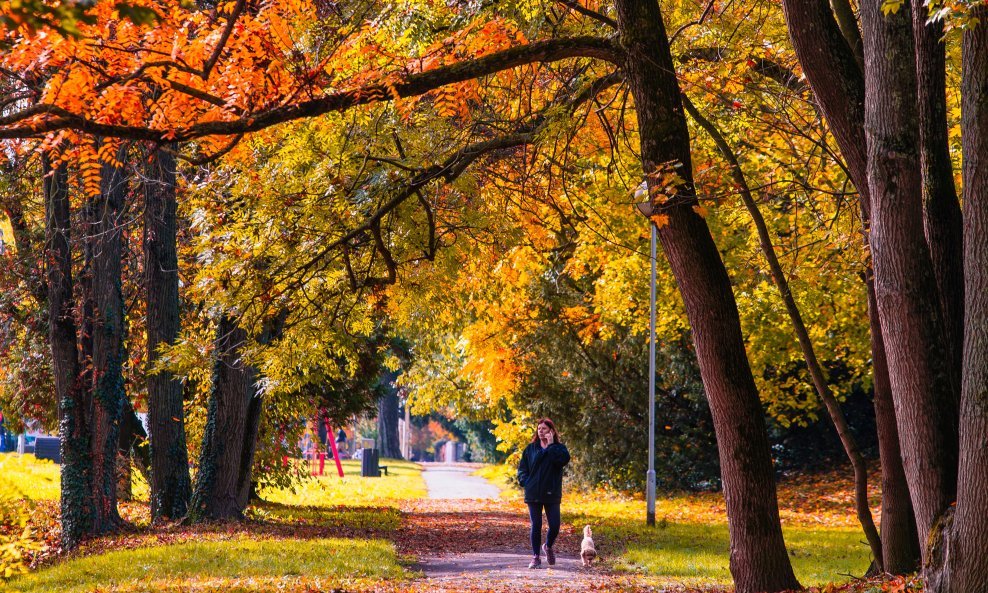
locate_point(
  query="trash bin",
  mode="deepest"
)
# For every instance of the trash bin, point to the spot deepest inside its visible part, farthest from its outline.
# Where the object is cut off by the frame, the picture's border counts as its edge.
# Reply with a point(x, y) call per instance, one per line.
point(370, 464)
point(48, 448)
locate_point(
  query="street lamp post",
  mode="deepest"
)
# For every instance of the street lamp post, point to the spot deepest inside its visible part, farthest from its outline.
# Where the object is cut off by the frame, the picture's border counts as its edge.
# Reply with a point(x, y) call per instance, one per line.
point(645, 208)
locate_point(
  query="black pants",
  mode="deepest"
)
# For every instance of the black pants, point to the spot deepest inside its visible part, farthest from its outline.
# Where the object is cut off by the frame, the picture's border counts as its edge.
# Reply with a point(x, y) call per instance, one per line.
point(535, 516)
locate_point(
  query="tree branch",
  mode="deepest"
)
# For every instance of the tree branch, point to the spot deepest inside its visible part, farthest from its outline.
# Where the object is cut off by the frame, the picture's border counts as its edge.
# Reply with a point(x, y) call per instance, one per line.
point(410, 85)
point(589, 13)
point(221, 44)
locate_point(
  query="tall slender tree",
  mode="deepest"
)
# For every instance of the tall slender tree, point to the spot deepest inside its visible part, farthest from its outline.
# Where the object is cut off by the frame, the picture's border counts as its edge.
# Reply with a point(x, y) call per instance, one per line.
point(941, 210)
point(967, 568)
point(838, 83)
point(759, 560)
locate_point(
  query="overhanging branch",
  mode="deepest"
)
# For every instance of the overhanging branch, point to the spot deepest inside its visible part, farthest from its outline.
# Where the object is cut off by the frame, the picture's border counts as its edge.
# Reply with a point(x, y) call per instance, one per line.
point(410, 85)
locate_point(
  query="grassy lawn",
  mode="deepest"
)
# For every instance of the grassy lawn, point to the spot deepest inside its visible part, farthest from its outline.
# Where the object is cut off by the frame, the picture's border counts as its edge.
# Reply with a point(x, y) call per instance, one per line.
point(696, 554)
point(243, 563)
point(26, 477)
point(403, 482)
point(290, 544)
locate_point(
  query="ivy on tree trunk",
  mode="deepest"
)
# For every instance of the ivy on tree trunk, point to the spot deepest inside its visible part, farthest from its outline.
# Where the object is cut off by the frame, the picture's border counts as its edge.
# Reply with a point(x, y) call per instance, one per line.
point(171, 486)
point(76, 484)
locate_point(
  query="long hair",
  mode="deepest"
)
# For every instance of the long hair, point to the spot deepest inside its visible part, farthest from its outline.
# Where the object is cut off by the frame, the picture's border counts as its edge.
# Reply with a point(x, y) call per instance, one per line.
point(552, 427)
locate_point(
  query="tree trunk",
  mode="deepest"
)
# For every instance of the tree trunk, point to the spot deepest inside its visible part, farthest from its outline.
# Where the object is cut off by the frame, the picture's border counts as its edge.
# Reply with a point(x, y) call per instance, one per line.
point(217, 494)
point(76, 503)
point(900, 541)
point(849, 29)
point(108, 344)
point(835, 77)
point(245, 485)
point(941, 210)
point(838, 84)
point(759, 560)
point(387, 419)
point(905, 285)
point(803, 336)
point(968, 563)
point(171, 486)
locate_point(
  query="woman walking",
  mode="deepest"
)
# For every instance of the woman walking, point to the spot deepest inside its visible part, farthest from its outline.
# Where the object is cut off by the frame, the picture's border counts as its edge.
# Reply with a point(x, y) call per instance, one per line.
point(540, 472)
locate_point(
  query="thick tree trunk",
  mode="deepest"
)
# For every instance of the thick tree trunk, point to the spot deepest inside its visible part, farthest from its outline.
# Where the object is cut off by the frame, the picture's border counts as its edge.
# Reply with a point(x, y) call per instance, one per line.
point(759, 560)
point(108, 393)
point(76, 503)
point(908, 303)
point(968, 564)
point(171, 486)
point(218, 485)
point(803, 336)
point(941, 210)
point(387, 420)
point(839, 86)
point(900, 542)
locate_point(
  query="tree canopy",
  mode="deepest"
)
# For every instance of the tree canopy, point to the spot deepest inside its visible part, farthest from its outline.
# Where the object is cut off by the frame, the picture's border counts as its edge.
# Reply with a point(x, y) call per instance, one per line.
point(330, 177)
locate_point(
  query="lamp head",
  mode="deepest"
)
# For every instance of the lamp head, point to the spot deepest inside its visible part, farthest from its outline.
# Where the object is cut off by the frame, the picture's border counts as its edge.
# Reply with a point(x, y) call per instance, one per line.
point(645, 206)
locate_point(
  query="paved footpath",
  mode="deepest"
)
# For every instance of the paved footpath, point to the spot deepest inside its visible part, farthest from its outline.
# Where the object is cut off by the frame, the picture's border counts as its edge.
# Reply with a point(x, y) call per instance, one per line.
point(453, 481)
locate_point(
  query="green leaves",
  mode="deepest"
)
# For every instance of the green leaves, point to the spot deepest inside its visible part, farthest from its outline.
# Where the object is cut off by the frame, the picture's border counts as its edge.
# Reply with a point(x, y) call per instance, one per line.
point(891, 6)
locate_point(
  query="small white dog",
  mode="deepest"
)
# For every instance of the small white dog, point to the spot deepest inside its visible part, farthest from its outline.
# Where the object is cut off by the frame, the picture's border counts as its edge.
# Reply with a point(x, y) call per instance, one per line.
point(587, 550)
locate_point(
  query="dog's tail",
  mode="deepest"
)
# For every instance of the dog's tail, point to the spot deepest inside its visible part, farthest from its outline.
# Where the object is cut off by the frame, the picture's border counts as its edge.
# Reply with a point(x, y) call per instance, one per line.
point(587, 532)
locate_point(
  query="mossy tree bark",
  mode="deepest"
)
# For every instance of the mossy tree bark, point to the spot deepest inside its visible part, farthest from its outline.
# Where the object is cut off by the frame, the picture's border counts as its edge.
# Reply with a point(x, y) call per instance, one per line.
point(759, 560)
point(108, 395)
point(76, 503)
point(231, 431)
point(171, 485)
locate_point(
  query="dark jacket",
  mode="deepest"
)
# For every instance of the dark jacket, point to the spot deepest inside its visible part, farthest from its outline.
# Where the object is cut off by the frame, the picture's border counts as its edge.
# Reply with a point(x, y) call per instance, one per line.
point(540, 472)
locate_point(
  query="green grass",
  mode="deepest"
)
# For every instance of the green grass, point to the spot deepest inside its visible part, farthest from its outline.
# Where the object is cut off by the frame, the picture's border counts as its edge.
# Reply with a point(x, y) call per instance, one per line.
point(403, 482)
point(269, 562)
point(694, 555)
point(362, 518)
point(690, 545)
point(25, 476)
